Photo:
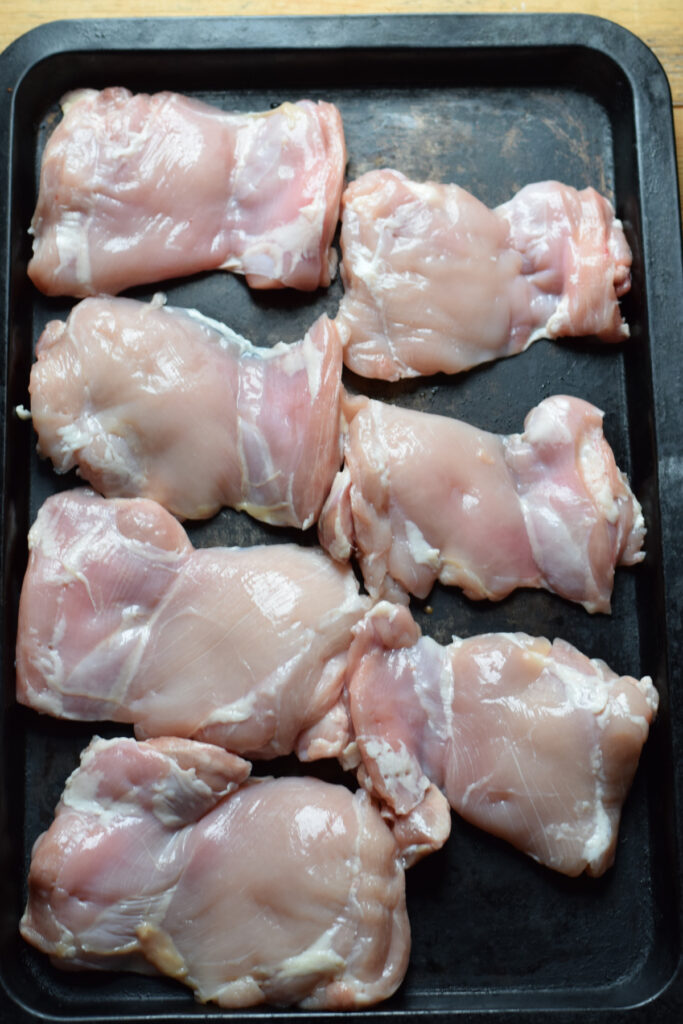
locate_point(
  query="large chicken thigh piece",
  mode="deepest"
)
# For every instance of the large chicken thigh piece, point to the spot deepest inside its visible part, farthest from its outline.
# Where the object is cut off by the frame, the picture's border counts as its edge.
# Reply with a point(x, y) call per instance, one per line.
point(163, 403)
point(164, 857)
point(436, 281)
point(121, 618)
point(424, 497)
point(136, 189)
point(529, 740)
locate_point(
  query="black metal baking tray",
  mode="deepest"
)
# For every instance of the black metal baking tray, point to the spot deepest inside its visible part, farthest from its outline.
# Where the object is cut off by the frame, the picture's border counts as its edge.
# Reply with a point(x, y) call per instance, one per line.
point(492, 102)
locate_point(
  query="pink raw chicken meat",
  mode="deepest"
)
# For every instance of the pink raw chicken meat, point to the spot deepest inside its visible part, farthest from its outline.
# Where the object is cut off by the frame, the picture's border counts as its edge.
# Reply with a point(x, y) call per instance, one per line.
point(435, 281)
point(150, 401)
point(424, 497)
point(135, 189)
point(150, 866)
point(529, 740)
point(121, 618)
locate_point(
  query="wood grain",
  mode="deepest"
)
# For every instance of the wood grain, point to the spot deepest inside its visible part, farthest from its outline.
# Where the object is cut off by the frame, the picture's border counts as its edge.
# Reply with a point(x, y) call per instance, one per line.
point(657, 22)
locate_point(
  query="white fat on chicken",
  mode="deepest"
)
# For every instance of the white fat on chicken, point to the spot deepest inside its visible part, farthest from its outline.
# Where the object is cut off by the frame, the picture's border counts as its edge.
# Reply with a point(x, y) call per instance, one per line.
point(149, 866)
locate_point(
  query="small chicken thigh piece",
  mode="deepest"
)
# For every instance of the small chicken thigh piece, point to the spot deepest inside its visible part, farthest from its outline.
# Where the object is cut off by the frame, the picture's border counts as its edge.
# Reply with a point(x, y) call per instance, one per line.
point(163, 403)
point(424, 497)
point(121, 618)
point(150, 866)
point(527, 739)
point(435, 281)
point(138, 188)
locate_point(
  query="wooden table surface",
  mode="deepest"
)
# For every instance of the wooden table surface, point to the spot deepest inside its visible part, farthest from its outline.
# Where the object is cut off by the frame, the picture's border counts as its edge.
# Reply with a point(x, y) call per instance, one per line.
point(657, 22)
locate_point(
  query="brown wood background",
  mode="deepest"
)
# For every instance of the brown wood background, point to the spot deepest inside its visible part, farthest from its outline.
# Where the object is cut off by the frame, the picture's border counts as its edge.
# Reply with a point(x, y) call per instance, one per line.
point(659, 23)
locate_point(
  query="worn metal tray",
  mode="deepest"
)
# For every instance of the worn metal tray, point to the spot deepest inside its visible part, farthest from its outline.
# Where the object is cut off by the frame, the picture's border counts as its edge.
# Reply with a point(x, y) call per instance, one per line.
point(492, 102)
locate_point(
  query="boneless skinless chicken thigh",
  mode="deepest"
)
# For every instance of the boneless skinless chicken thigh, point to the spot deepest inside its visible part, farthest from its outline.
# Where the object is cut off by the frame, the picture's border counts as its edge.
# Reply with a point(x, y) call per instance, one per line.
point(164, 857)
point(157, 402)
point(121, 618)
point(423, 497)
point(529, 740)
point(137, 188)
point(435, 281)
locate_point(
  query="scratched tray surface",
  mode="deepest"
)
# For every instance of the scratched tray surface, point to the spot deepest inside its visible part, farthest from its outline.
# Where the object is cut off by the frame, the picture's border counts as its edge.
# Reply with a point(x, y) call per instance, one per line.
point(491, 929)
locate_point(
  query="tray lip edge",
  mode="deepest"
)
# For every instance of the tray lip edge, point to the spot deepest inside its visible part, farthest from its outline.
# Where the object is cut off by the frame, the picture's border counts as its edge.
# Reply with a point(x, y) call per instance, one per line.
point(37, 35)
point(138, 33)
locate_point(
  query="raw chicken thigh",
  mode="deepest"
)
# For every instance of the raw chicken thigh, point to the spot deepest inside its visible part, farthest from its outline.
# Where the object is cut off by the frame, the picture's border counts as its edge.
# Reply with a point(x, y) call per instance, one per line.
point(150, 866)
point(529, 740)
point(150, 401)
point(435, 281)
point(135, 189)
point(424, 497)
point(121, 618)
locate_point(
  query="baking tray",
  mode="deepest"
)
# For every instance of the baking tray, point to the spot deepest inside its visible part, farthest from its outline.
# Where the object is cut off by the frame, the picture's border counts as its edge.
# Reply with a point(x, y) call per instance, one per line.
point(492, 102)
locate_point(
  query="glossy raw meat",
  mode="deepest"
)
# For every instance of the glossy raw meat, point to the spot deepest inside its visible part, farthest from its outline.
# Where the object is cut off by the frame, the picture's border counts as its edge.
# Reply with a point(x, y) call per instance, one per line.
point(435, 281)
point(135, 189)
point(163, 403)
point(424, 497)
point(529, 740)
point(120, 618)
point(163, 858)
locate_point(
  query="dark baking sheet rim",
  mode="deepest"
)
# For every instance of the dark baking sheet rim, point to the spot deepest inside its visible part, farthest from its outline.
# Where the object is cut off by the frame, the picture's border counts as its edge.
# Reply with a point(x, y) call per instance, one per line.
point(487, 34)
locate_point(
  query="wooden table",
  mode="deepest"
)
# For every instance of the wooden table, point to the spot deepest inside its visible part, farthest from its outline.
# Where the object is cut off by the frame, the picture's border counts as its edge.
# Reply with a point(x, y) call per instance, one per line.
point(657, 22)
